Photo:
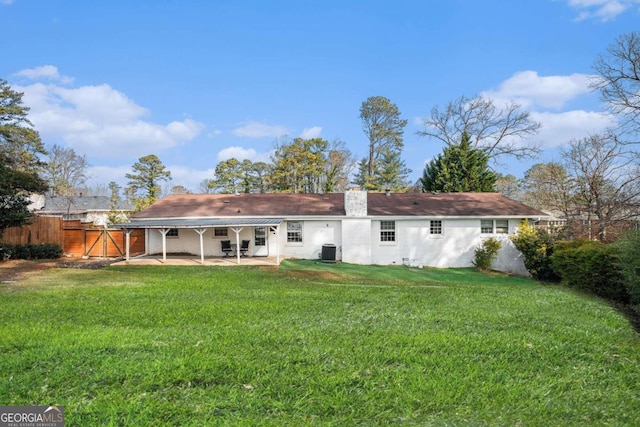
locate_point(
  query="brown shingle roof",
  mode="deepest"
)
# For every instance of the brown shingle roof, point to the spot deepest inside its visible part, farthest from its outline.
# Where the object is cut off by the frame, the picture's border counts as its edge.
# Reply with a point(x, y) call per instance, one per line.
point(447, 204)
point(229, 205)
point(290, 205)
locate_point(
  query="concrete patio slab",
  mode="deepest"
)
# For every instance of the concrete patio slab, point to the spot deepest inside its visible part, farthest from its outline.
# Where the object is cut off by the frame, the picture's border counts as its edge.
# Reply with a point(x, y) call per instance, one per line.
point(195, 260)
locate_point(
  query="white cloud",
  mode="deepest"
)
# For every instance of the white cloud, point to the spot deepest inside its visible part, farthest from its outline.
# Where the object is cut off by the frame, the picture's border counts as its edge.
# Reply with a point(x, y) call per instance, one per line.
point(102, 175)
point(241, 153)
point(188, 177)
point(604, 10)
point(530, 90)
point(312, 132)
point(214, 133)
point(259, 130)
point(101, 121)
point(238, 153)
point(44, 72)
point(560, 128)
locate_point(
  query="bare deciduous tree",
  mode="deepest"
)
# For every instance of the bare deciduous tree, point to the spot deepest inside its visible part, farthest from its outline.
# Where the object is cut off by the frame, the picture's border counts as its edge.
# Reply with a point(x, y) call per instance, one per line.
point(340, 164)
point(66, 171)
point(499, 132)
point(548, 186)
point(618, 78)
point(607, 179)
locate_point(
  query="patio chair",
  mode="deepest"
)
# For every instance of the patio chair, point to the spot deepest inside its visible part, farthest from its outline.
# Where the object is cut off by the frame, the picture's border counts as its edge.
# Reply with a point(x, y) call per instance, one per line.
point(226, 247)
point(244, 247)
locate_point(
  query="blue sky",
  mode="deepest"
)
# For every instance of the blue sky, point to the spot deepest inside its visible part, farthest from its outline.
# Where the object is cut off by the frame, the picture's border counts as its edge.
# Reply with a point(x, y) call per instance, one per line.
point(197, 82)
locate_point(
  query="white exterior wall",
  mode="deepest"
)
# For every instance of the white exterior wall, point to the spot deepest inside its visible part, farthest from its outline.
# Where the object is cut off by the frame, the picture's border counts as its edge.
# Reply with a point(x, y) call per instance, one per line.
point(357, 236)
point(315, 233)
point(188, 241)
point(415, 245)
point(357, 241)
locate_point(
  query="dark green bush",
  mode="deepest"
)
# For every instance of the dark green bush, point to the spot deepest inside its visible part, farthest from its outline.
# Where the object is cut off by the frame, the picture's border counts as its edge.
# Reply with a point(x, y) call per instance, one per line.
point(486, 253)
point(21, 252)
point(41, 251)
point(592, 267)
point(628, 250)
point(5, 253)
point(536, 246)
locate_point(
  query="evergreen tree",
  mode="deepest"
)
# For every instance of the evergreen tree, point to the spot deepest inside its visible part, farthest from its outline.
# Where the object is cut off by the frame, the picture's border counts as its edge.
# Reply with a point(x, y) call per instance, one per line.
point(384, 129)
point(144, 183)
point(249, 181)
point(260, 171)
point(115, 216)
point(234, 176)
point(20, 146)
point(299, 167)
point(392, 172)
point(460, 168)
point(229, 174)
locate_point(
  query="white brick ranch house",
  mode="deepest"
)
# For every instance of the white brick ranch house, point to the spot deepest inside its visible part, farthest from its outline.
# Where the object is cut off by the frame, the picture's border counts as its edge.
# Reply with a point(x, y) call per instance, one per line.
point(437, 230)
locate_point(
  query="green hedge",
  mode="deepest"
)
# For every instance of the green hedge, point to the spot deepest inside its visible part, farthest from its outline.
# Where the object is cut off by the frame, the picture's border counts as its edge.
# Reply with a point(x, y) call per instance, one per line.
point(41, 251)
point(629, 264)
point(591, 266)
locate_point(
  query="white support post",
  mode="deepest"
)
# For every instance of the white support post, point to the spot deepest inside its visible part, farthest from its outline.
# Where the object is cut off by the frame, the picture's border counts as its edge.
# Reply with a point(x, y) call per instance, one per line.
point(276, 229)
point(164, 232)
point(201, 231)
point(127, 245)
point(237, 231)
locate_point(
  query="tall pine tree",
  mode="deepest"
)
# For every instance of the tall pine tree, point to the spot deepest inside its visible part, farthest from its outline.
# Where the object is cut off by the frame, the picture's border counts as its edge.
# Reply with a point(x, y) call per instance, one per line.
point(460, 168)
point(144, 183)
point(20, 148)
point(383, 168)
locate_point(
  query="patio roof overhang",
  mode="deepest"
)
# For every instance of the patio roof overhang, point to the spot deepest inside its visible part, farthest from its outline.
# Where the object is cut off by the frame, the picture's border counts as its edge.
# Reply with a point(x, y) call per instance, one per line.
point(200, 223)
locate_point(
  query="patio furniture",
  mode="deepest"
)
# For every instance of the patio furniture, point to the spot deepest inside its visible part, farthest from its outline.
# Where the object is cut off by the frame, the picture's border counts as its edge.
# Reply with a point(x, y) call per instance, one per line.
point(244, 247)
point(226, 247)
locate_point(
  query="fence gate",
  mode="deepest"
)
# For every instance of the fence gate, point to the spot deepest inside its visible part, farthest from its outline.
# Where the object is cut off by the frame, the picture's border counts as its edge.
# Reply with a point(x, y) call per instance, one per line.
point(102, 243)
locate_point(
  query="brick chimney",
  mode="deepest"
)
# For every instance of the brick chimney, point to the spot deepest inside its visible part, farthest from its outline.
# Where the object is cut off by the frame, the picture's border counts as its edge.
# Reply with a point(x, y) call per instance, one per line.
point(355, 203)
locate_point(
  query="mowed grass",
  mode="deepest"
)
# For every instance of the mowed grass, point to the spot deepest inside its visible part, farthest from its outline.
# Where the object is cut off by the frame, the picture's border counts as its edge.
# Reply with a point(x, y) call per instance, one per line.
point(314, 344)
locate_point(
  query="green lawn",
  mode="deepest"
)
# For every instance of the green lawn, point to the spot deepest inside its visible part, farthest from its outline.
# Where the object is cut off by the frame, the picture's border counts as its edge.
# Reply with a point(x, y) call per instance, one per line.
point(314, 344)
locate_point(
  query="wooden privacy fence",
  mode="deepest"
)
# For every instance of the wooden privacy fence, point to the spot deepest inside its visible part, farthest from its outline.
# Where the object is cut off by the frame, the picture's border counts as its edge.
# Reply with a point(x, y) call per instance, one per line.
point(43, 229)
point(75, 238)
point(81, 240)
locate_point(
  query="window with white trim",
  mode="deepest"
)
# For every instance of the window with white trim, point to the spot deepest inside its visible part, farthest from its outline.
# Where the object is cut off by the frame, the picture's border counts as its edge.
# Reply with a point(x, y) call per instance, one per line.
point(435, 227)
point(173, 232)
point(486, 226)
point(387, 231)
point(220, 232)
point(294, 232)
point(502, 226)
point(497, 226)
point(260, 236)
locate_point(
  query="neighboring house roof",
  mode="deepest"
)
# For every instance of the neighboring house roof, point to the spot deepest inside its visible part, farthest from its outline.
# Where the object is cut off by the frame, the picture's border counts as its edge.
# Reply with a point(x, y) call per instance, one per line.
point(379, 204)
point(77, 204)
point(230, 205)
point(447, 204)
